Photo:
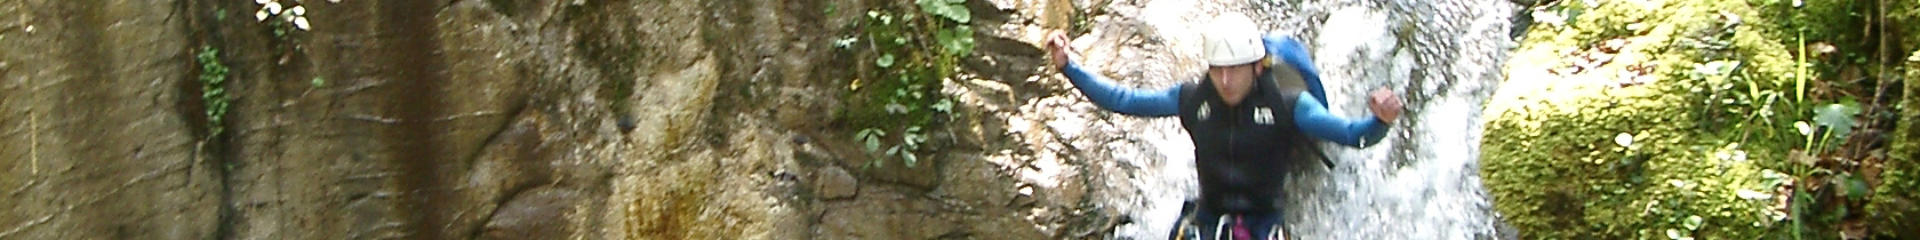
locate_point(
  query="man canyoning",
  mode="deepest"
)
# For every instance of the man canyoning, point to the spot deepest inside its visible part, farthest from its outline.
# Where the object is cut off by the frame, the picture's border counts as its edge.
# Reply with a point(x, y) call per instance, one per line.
point(1259, 107)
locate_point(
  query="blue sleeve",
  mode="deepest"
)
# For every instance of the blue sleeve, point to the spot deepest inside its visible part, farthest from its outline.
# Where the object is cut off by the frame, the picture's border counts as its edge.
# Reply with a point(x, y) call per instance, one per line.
point(1312, 117)
point(1106, 94)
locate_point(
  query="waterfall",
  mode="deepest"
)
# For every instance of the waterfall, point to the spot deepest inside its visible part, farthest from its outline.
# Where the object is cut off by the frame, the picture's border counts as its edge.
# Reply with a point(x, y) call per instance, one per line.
point(1422, 182)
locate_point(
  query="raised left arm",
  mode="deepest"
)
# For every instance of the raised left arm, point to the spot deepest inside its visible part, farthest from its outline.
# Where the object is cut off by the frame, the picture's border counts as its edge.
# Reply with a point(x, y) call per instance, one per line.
point(1311, 117)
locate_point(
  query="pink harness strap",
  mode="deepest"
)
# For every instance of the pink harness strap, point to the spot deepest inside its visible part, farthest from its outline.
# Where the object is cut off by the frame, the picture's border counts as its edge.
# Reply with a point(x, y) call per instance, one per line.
point(1240, 228)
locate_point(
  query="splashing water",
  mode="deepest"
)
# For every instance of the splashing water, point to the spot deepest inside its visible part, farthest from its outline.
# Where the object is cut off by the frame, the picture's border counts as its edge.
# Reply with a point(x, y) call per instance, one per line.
point(1422, 182)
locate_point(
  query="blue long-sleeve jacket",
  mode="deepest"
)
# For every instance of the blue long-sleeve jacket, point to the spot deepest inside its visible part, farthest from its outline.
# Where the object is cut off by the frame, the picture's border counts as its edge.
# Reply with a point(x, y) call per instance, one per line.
point(1310, 115)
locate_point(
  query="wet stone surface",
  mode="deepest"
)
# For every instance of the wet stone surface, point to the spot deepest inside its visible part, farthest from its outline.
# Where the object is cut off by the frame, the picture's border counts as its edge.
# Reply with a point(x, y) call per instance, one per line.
point(636, 119)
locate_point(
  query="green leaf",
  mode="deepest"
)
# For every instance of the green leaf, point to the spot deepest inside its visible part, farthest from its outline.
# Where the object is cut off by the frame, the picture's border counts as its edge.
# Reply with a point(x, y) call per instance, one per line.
point(1839, 210)
point(955, 10)
point(1838, 117)
point(956, 41)
point(912, 140)
point(1856, 187)
point(886, 60)
point(912, 161)
point(896, 108)
point(319, 82)
point(871, 137)
point(959, 13)
point(944, 106)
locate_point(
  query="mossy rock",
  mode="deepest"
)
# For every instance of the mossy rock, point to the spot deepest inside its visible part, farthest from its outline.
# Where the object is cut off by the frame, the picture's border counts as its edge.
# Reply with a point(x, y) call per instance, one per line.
point(1622, 138)
point(1895, 208)
point(1557, 172)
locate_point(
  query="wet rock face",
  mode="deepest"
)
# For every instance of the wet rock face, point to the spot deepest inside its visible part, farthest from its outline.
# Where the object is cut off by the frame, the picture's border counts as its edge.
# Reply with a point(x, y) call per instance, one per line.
point(97, 126)
point(389, 146)
point(531, 215)
point(395, 119)
point(638, 119)
point(418, 119)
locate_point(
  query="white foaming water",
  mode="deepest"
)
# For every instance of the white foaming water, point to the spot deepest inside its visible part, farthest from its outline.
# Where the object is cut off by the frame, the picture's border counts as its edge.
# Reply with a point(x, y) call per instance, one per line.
point(1422, 182)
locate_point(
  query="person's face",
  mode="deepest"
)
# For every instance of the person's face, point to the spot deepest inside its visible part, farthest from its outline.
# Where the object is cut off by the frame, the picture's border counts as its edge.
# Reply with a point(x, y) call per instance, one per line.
point(1233, 82)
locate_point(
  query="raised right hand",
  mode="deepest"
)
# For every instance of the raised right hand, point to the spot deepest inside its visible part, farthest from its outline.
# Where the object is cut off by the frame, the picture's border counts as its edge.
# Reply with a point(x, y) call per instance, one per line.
point(1385, 105)
point(1058, 46)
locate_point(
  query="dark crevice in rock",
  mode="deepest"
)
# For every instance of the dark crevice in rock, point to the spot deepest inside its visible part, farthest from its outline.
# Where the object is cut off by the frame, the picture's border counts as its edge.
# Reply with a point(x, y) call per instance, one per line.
point(417, 131)
point(210, 151)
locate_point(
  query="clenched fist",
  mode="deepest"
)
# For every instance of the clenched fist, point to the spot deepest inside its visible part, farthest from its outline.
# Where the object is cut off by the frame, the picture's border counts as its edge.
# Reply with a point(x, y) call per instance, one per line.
point(1385, 105)
point(1057, 48)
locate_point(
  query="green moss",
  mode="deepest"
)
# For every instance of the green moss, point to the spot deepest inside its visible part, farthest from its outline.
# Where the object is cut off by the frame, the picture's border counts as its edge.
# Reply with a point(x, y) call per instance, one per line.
point(1894, 205)
point(1551, 158)
point(1555, 171)
point(1561, 175)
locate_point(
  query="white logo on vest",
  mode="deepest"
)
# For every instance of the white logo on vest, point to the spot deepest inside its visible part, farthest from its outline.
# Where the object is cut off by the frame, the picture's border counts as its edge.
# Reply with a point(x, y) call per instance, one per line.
point(1263, 116)
point(1203, 110)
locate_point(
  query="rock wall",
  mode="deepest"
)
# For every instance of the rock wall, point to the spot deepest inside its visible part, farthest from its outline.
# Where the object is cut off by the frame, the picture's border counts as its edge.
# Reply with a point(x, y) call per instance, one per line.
point(92, 109)
point(388, 119)
point(638, 119)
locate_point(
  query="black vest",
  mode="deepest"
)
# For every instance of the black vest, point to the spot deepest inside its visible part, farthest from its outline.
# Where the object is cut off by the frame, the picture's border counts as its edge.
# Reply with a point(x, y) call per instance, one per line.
point(1241, 152)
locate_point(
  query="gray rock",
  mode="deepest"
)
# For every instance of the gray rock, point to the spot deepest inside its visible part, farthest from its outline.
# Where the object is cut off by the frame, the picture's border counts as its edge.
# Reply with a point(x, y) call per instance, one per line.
point(835, 183)
point(533, 214)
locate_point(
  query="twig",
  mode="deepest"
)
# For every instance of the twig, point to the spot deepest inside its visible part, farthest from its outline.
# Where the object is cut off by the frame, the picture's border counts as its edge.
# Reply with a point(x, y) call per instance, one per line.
point(372, 118)
point(467, 115)
point(350, 90)
point(28, 224)
point(33, 142)
point(23, 187)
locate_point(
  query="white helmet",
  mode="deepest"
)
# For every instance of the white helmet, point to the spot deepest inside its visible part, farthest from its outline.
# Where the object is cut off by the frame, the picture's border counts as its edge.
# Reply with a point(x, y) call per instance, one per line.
point(1231, 40)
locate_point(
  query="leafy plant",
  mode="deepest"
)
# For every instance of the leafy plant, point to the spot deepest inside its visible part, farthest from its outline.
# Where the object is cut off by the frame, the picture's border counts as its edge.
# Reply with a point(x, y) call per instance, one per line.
point(951, 9)
point(213, 91)
point(1837, 117)
point(911, 52)
point(911, 142)
point(958, 39)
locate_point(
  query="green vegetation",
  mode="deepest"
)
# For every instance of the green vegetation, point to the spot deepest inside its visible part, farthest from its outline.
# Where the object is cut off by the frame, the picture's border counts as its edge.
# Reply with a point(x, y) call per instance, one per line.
point(1702, 119)
point(213, 90)
point(1893, 201)
point(1891, 206)
point(912, 51)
